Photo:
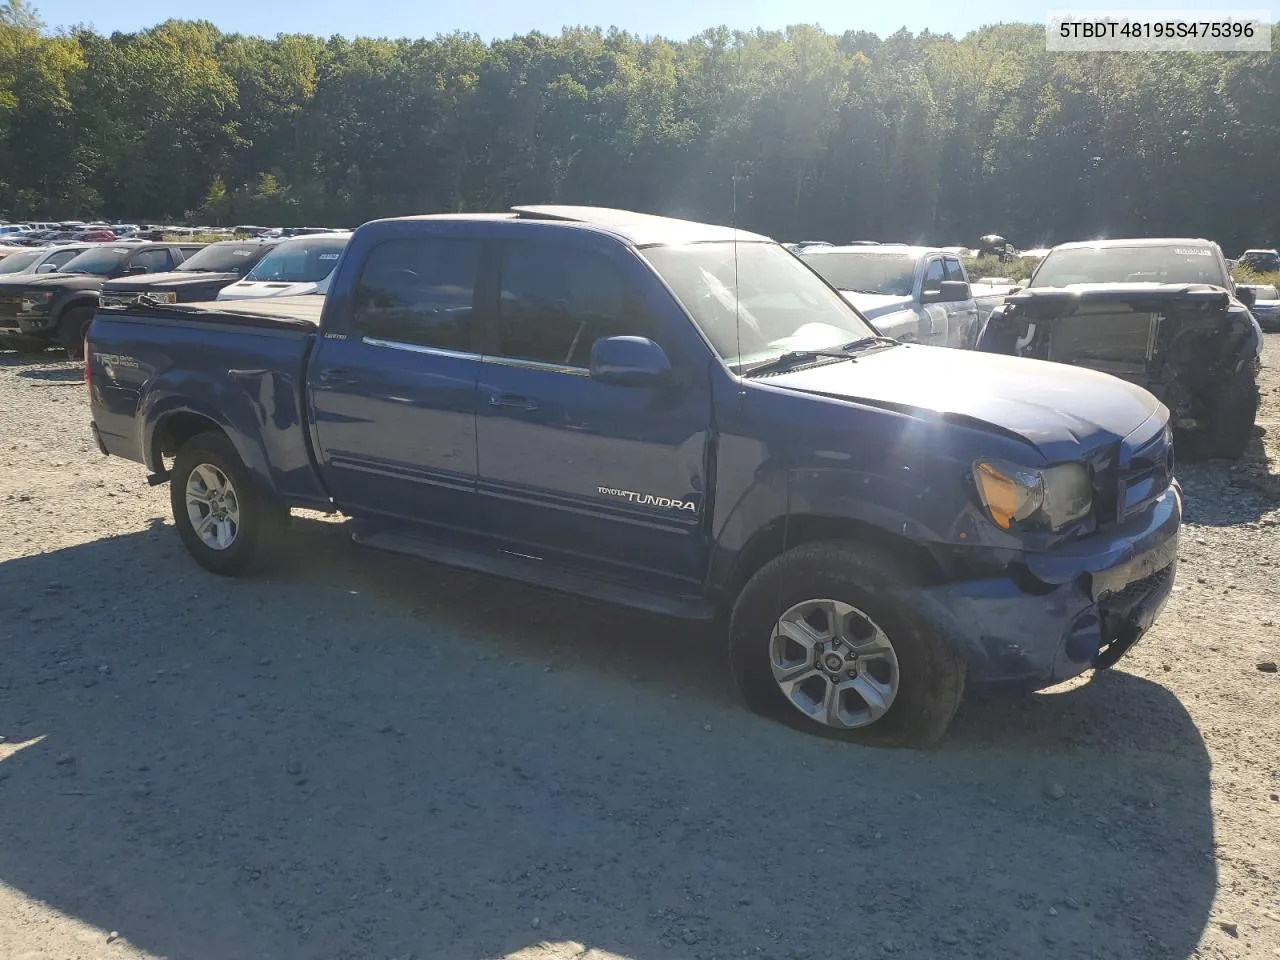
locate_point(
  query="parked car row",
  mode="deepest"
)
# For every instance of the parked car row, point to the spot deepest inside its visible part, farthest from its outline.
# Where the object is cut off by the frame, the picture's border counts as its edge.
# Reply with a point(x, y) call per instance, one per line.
point(48, 296)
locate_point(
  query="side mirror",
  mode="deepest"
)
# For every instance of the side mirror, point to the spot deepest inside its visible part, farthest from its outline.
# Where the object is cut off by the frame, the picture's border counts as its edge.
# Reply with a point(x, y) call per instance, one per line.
point(629, 362)
point(1247, 295)
point(46, 268)
point(949, 291)
point(136, 269)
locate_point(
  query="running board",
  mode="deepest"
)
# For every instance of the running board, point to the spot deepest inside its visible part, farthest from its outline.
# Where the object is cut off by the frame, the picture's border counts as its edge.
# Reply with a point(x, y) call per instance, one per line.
point(532, 570)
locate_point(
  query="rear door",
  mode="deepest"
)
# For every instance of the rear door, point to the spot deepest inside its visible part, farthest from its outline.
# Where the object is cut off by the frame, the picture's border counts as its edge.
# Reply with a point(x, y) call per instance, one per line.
point(608, 478)
point(393, 398)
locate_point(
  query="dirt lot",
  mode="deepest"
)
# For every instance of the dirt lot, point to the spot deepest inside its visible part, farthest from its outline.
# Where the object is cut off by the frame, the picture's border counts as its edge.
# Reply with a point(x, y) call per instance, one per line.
point(368, 757)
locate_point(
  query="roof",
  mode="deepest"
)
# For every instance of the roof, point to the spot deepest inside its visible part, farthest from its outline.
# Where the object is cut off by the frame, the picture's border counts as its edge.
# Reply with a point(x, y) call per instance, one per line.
point(638, 229)
point(1137, 242)
point(304, 237)
point(871, 250)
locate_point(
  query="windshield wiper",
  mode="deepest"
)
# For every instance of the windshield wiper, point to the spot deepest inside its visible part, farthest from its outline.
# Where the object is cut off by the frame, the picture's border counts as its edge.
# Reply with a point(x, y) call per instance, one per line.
point(865, 342)
point(789, 360)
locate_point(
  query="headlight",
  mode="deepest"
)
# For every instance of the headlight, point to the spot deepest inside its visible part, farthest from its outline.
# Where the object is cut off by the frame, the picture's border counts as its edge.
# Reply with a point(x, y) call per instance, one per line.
point(1047, 498)
point(36, 302)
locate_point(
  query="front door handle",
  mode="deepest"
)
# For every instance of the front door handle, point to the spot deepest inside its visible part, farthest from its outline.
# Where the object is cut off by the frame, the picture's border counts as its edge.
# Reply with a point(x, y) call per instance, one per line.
point(335, 375)
point(512, 400)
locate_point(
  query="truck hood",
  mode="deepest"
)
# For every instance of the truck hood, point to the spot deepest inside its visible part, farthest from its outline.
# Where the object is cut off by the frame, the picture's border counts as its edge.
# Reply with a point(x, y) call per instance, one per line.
point(55, 281)
point(1062, 410)
point(255, 289)
point(175, 279)
point(1045, 299)
point(872, 305)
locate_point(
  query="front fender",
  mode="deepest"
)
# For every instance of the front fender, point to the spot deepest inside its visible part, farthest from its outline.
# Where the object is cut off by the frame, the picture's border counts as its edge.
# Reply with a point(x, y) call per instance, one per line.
point(778, 503)
point(904, 325)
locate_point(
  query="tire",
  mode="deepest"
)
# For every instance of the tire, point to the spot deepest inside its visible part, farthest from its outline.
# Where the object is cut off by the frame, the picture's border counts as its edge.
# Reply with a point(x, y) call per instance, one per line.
point(1233, 419)
point(72, 328)
point(253, 537)
point(930, 673)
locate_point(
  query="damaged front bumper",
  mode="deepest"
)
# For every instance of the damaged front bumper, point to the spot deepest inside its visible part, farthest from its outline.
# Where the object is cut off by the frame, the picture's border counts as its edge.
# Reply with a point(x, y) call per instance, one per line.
point(1058, 613)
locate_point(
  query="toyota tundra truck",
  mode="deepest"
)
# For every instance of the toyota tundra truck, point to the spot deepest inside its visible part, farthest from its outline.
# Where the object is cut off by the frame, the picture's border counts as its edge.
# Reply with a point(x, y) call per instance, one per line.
point(679, 418)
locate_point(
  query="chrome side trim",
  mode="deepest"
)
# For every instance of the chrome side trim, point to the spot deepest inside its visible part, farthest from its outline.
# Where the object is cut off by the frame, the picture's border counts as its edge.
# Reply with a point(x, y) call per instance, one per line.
point(537, 365)
point(417, 348)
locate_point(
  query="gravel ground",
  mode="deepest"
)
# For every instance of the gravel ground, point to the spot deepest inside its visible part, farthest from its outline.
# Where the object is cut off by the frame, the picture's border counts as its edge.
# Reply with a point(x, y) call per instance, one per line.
point(370, 757)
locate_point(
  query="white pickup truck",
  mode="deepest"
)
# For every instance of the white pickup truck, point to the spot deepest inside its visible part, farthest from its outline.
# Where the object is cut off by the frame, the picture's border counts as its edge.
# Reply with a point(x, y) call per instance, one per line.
point(913, 294)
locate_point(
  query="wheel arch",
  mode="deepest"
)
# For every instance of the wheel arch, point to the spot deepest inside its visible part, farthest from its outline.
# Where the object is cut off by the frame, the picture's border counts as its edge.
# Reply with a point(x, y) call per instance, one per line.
point(76, 301)
point(170, 425)
point(175, 429)
point(787, 532)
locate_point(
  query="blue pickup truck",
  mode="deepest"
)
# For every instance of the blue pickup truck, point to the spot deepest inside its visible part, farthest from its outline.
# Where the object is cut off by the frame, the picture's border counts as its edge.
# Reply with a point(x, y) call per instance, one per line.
point(674, 417)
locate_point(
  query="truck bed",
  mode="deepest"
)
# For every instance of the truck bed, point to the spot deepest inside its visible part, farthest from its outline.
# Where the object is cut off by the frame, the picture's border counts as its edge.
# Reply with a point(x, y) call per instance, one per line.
point(241, 365)
point(301, 311)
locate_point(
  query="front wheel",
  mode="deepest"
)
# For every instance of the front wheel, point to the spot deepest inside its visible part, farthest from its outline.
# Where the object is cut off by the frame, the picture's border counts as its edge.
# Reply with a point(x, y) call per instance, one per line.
point(225, 520)
point(73, 328)
point(820, 639)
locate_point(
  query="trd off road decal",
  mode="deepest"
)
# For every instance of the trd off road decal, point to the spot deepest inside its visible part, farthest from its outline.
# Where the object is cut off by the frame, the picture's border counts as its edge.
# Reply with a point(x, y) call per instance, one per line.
point(648, 499)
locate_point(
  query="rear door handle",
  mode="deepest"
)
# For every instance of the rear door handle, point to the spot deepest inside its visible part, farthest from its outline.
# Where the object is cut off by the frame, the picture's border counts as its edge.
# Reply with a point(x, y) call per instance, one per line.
point(512, 400)
point(335, 375)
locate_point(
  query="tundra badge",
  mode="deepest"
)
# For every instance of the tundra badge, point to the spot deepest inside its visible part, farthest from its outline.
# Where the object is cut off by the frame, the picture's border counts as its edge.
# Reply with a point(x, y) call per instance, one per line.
point(648, 499)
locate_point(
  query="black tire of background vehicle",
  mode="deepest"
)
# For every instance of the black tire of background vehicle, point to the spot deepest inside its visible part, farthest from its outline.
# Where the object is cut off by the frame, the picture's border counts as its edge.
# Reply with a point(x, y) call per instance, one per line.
point(1232, 425)
point(932, 672)
point(262, 520)
point(72, 329)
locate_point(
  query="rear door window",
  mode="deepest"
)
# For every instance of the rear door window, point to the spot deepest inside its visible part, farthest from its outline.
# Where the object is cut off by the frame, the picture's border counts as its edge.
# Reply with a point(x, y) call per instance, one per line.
point(420, 292)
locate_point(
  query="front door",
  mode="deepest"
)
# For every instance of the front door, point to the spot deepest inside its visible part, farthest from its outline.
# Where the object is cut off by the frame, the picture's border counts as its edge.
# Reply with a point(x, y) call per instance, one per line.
point(393, 401)
point(607, 478)
point(964, 313)
point(935, 319)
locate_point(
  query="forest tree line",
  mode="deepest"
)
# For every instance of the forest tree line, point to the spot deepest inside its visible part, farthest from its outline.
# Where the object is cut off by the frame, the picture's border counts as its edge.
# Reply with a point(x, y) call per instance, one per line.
point(911, 137)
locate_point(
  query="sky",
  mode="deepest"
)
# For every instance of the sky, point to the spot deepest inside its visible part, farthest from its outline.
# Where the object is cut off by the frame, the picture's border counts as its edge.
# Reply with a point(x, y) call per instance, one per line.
point(676, 19)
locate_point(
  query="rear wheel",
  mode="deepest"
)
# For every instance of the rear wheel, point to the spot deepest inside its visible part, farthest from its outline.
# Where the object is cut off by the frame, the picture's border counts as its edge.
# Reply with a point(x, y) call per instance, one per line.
point(73, 328)
point(225, 520)
point(820, 639)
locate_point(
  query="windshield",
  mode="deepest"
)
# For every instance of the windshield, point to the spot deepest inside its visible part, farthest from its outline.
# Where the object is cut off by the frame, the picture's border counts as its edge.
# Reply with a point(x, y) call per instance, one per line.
point(1172, 264)
point(223, 258)
point(781, 305)
point(17, 262)
point(890, 274)
point(100, 261)
point(299, 261)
